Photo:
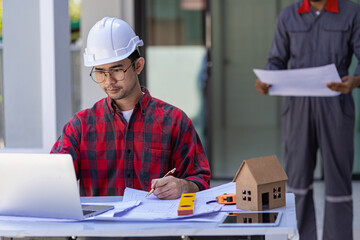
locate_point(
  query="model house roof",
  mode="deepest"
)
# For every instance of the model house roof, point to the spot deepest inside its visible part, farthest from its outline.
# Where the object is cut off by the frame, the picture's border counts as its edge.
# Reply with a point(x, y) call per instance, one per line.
point(264, 170)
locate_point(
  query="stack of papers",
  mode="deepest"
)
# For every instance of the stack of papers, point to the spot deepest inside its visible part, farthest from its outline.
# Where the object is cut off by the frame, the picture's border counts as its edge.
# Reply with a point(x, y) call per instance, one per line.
point(153, 208)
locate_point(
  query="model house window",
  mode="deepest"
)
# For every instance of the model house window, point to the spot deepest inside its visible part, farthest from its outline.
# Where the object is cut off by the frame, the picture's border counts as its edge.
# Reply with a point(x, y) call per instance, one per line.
point(277, 192)
point(246, 195)
point(247, 220)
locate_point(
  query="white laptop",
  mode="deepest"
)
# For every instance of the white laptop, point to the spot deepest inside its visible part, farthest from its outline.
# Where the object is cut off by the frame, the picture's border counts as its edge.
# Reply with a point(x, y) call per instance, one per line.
point(41, 185)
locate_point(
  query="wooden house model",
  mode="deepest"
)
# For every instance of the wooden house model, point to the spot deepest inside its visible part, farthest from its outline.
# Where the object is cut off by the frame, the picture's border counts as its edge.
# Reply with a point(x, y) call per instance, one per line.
point(260, 184)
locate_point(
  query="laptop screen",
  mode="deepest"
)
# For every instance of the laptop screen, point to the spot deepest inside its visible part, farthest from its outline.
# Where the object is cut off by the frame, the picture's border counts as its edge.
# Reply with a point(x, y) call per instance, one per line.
point(39, 185)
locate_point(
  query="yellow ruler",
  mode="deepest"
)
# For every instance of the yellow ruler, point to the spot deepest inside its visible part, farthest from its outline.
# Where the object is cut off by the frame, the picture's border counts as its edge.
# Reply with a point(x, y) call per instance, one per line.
point(186, 205)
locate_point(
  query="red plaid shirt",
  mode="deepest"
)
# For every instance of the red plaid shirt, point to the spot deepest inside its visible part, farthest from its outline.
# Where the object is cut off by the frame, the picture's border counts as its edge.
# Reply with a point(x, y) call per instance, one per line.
point(110, 154)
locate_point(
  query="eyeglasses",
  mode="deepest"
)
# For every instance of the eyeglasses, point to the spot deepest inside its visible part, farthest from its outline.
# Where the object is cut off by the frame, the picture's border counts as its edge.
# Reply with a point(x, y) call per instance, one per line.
point(118, 74)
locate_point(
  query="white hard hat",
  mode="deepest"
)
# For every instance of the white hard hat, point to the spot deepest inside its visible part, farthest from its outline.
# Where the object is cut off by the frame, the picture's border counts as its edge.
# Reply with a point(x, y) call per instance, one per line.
point(110, 40)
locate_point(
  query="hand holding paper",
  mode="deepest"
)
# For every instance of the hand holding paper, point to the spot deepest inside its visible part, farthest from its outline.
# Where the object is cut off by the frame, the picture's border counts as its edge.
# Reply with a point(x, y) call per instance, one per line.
point(300, 82)
point(347, 84)
point(261, 87)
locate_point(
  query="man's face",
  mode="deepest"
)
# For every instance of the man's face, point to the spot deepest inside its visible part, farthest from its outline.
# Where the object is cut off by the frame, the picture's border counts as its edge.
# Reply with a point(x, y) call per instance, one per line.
point(118, 89)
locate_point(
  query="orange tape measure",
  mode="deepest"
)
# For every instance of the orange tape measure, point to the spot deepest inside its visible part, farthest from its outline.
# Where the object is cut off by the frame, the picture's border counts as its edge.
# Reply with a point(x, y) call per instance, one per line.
point(226, 199)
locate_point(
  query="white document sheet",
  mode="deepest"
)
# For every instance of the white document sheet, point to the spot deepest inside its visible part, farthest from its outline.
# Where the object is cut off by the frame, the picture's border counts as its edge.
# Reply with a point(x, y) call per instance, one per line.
point(153, 208)
point(211, 193)
point(300, 82)
point(119, 207)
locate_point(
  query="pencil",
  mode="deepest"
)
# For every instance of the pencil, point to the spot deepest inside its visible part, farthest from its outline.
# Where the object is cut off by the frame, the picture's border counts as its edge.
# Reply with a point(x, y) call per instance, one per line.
point(167, 174)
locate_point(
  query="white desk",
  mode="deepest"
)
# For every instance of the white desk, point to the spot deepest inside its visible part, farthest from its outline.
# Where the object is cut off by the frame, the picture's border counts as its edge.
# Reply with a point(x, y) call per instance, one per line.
point(286, 230)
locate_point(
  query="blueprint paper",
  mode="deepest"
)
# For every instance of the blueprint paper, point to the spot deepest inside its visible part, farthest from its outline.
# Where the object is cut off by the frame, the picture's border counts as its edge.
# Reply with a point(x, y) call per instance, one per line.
point(119, 207)
point(153, 208)
point(212, 193)
point(300, 82)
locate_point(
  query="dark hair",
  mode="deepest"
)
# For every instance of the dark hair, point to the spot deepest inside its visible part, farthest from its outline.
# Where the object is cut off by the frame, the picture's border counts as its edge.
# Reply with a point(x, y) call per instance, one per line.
point(135, 55)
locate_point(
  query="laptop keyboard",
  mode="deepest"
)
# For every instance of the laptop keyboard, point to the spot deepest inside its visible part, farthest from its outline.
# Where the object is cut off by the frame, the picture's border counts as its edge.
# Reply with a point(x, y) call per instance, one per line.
point(86, 212)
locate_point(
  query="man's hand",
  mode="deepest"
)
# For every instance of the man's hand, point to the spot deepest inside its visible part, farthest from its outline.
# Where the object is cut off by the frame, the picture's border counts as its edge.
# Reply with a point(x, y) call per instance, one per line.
point(261, 87)
point(347, 84)
point(171, 187)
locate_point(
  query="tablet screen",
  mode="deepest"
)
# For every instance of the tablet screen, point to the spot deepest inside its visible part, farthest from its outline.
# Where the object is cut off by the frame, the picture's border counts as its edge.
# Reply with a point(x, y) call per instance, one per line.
point(252, 218)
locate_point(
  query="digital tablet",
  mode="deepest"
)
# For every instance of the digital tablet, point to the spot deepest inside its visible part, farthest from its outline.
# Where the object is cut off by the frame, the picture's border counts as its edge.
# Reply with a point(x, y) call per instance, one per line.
point(248, 219)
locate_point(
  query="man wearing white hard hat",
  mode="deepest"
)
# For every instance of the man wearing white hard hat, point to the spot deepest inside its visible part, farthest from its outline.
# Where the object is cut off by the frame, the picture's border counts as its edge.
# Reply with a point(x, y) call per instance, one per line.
point(129, 138)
